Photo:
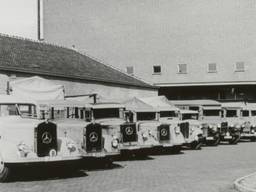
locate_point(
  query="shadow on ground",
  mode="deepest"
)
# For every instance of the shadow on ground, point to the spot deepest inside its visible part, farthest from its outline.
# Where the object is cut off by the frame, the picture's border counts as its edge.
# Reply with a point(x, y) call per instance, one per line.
point(37, 173)
point(64, 171)
point(94, 164)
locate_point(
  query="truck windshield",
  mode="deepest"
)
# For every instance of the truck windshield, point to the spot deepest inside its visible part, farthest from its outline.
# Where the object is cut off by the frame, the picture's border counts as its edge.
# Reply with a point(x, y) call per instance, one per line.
point(106, 113)
point(253, 113)
point(189, 116)
point(194, 108)
point(212, 113)
point(168, 114)
point(25, 110)
point(245, 113)
point(231, 113)
point(146, 116)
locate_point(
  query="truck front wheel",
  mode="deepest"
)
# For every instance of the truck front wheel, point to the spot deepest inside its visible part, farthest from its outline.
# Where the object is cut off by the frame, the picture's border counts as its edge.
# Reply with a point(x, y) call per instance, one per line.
point(4, 171)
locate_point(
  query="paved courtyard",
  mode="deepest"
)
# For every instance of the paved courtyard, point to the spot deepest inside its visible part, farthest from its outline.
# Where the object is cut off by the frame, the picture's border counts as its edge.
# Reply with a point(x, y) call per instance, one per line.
point(208, 170)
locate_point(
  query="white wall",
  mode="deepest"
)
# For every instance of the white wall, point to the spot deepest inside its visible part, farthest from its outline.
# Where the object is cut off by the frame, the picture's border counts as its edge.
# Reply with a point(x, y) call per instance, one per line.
point(160, 32)
point(77, 88)
point(19, 18)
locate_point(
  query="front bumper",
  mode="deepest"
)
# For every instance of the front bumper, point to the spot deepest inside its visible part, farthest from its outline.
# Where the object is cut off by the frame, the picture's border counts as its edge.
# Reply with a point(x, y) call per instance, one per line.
point(100, 154)
point(47, 159)
point(248, 135)
point(194, 139)
point(129, 146)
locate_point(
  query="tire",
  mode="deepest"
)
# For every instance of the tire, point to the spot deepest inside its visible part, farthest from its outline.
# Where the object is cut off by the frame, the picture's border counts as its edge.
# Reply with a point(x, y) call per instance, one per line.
point(234, 140)
point(4, 171)
point(216, 141)
point(176, 149)
point(253, 139)
point(196, 145)
point(107, 162)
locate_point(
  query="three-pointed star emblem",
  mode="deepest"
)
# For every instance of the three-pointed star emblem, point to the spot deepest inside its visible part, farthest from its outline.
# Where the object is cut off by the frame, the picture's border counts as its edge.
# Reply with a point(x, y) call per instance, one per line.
point(93, 137)
point(164, 132)
point(46, 138)
point(128, 130)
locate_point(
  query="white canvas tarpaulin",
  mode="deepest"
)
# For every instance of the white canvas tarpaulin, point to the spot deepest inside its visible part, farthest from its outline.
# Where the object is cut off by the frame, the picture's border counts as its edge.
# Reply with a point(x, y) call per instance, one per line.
point(37, 88)
point(159, 102)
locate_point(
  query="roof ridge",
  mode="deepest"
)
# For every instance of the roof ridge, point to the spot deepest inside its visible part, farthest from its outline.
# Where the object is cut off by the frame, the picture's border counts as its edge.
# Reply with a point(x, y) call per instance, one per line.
point(113, 67)
point(123, 75)
point(78, 51)
point(35, 41)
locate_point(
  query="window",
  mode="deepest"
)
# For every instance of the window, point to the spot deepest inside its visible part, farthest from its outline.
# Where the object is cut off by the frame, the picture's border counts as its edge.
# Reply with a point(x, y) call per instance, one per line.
point(212, 68)
point(106, 113)
point(182, 68)
point(144, 116)
point(189, 116)
point(245, 113)
point(253, 113)
point(194, 108)
point(168, 114)
point(231, 113)
point(211, 113)
point(239, 66)
point(157, 69)
point(25, 110)
point(129, 70)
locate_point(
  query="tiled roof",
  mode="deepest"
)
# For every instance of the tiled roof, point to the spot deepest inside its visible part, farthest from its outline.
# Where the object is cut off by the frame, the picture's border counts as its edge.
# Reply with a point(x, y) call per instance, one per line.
point(23, 55)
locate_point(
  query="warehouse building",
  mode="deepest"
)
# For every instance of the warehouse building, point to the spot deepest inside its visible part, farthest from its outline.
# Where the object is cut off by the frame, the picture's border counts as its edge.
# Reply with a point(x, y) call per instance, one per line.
point(77, 73)
point(190, 49)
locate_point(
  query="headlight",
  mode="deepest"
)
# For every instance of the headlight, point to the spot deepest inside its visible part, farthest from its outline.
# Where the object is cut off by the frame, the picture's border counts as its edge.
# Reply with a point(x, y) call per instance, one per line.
point(23, 149)
point(218, 126)
point(115, 143)
point(237, 126)
point(71, 146)
point(177, 129)
point(231, 125)
point(144, 135)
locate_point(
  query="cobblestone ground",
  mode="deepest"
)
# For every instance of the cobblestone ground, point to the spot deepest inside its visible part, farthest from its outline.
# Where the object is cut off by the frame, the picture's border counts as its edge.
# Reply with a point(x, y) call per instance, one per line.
point(208, 170)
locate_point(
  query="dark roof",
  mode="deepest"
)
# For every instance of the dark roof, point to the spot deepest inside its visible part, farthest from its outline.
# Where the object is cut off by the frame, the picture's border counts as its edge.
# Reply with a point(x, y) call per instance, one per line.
point(23, 55)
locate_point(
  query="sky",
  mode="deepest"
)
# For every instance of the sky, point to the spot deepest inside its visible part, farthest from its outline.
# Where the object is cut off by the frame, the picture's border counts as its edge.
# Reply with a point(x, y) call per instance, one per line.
point(19, 18)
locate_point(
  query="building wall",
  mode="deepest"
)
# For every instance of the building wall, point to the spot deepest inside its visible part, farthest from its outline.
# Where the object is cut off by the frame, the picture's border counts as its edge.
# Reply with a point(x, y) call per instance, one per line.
point(119, 93)
point(221, 93)
point(166, 33)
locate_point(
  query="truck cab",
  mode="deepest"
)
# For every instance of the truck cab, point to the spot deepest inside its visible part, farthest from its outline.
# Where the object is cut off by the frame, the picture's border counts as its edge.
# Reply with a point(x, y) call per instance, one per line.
point(27, 139)
point(209, 114)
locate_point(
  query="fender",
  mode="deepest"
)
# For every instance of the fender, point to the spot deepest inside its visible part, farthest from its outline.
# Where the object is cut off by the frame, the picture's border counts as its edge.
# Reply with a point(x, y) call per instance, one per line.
point(8, 151)
point(68, 147)
point(196, 132)
point(176, 138)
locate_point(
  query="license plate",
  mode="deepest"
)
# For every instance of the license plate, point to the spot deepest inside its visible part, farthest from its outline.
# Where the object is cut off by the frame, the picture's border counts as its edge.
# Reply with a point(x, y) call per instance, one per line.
point(227, 137)
point(209, 138)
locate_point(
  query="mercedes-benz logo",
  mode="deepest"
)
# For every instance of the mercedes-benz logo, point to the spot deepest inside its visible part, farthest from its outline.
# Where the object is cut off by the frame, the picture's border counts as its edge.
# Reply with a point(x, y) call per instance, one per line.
point(164, 132)
point(129, 130)
point(46, 138)
point(93, 137)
